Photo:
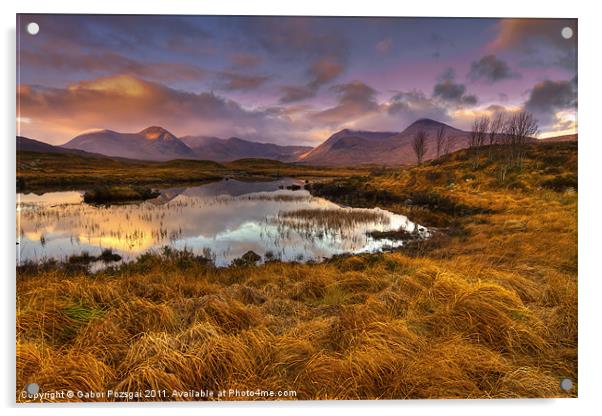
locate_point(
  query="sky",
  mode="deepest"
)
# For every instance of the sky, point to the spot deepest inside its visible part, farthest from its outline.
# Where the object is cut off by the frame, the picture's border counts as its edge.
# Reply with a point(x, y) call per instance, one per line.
point(288, 80)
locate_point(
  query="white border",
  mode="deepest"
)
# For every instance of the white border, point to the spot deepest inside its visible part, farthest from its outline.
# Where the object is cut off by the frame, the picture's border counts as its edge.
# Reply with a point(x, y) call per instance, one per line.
point(590, 153)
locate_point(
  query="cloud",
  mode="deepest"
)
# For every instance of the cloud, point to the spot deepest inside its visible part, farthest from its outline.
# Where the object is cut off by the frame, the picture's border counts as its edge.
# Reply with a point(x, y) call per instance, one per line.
point(550, 96)
point(355, 99)
point(321, 71)
point(523, 33)
point(491, 69)
point(110, 63)
point(313, 42)
point(449, 90)
point(235, 81)
point(59, 113)
point(292, 37)
point(324, 70)
point(540, 41)
point(293, 93)
point(412, 105)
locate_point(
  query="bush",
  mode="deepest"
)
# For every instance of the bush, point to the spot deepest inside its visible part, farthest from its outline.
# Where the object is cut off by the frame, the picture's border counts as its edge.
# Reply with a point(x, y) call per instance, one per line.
point(107, 194)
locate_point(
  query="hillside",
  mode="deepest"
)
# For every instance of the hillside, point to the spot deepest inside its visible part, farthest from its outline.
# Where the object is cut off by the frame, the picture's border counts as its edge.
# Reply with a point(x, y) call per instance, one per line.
point(349, 147)
point(558, 139)
point(25, 144)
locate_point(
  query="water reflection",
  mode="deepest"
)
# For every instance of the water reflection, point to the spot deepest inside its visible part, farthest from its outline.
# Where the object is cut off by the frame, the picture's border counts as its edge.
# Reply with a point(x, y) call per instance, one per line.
point(228, 218)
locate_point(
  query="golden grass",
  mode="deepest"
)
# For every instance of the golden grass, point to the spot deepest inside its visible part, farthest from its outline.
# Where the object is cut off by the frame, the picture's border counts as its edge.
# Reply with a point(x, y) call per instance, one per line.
point(490, 312)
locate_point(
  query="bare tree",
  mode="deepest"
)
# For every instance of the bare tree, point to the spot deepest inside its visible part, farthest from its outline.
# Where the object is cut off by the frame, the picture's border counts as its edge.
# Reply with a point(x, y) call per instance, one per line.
point(478, 132)
point(419, 145)
point(440, 139)
point(477, 136)
point(518, 130)
point(496, 127)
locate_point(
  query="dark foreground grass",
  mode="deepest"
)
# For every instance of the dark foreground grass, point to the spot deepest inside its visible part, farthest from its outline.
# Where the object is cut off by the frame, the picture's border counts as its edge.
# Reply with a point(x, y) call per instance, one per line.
point(486, 311)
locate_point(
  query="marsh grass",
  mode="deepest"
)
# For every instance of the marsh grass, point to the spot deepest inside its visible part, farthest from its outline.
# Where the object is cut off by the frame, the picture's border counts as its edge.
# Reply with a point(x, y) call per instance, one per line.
point(489, 312)
point(336, 218)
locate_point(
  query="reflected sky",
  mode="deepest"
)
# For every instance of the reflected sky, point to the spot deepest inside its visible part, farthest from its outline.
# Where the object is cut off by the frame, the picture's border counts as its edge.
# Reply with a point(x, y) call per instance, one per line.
point(227, 218)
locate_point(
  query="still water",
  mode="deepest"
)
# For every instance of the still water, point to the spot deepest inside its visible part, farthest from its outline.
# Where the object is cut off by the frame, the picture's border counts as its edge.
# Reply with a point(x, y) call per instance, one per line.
point(223, 219)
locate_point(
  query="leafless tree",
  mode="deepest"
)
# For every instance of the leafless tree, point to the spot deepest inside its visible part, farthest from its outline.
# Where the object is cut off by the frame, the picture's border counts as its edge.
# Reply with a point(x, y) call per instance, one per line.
point(496, 130)
point(521, 127)
point(478, 134)
point(419, 145)
point(496, 127)
point(440, 140)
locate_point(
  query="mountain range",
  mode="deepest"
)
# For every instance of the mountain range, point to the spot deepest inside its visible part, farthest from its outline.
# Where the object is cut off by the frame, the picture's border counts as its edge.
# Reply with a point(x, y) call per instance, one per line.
point(156, 143)
point(344, 148)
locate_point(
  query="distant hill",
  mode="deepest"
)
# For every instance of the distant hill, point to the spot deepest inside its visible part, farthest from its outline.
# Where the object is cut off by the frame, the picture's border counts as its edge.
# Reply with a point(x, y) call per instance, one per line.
point(25, 144)
point(153, 143)
point(226, 150)
point(565, 138)
point(349, 147)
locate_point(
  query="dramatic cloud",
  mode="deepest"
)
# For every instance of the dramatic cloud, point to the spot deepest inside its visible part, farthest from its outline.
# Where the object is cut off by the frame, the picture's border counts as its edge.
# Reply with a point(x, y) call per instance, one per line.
point(102, 103)
point(491, 69)
point(356, 99)
point(412, 105)
point(550, 96)
point(449, 90)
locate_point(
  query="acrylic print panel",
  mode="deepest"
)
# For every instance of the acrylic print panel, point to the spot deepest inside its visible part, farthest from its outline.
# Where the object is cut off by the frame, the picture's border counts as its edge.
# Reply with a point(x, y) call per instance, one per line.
point(295, 208)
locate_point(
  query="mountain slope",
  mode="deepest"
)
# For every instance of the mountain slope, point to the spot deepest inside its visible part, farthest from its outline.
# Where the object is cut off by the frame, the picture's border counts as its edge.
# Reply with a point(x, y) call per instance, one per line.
point(25, 144)
point(153, 143)
point(349, 147)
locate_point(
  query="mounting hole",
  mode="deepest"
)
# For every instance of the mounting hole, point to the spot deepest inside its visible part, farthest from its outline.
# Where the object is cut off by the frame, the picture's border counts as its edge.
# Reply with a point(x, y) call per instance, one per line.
point(33, 28)
point(32, 389)
point(566, 32)
point(566, 384)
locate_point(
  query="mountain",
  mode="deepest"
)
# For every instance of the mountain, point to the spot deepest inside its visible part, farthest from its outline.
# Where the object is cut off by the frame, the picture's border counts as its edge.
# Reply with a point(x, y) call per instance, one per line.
point(349, 147)
point(152, 143)
point(225, 150)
